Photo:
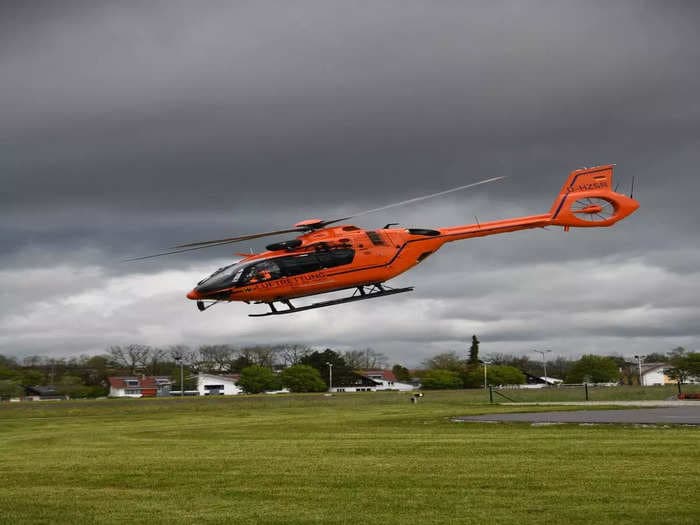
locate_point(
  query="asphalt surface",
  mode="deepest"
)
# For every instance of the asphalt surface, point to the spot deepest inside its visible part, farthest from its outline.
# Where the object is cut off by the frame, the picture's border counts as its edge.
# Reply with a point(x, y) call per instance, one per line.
point(689, 415)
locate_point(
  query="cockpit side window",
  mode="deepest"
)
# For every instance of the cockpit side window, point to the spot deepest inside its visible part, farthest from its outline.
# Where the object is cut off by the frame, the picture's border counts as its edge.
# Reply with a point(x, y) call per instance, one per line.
point(262, 271)
point(311, 262)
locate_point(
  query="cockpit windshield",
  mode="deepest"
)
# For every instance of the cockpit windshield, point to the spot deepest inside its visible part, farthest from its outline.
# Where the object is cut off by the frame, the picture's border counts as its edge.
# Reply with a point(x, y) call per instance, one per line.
point(221, 278)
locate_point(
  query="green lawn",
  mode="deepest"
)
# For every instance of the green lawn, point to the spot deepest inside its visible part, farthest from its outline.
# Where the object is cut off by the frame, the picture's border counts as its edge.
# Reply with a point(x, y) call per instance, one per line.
point(350, 458)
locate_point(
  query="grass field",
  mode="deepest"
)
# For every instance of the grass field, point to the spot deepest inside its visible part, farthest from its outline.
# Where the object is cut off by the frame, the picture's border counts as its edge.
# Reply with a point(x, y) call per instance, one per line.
point(352, 458)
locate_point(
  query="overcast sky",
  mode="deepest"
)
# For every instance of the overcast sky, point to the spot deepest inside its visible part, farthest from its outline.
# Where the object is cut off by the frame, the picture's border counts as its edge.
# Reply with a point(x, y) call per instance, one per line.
point(127, 127)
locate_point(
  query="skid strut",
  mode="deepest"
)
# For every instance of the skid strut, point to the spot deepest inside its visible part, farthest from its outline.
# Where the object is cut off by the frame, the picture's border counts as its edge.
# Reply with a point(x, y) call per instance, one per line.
point(361, 293)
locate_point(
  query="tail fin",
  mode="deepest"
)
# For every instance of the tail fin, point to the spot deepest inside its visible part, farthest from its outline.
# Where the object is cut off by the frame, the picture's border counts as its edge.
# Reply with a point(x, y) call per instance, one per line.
point(588, 200)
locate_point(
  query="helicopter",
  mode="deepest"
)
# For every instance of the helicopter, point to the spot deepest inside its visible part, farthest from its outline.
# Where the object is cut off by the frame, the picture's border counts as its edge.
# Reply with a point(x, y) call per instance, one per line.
point(330, 257)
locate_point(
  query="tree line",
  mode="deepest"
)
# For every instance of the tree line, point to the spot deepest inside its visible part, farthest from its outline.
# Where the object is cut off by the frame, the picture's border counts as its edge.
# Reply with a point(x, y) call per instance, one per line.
point(86, 376)
point(450, 370)
point(301, 368)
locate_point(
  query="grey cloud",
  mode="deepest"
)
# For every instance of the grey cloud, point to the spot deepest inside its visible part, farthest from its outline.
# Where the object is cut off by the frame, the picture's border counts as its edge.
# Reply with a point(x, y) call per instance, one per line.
point(129, 128)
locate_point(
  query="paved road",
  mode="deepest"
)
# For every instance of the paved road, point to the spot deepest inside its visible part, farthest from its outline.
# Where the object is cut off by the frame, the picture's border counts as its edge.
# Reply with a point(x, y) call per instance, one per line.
point(671, 415)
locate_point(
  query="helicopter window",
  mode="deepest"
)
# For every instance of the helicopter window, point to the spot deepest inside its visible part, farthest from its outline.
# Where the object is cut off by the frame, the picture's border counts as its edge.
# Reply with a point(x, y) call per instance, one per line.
point(310, 262)
point(297, 264)
point(220, 278)
point(262, 271)
point(375, 238)
point(333, 258)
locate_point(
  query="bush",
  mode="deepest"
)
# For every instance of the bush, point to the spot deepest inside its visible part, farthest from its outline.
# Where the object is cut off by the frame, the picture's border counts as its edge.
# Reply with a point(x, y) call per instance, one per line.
point(9, 388)
point(255, 379)
point(593, 369)
point(440, 379)
point(302, 378)
point(495, 375)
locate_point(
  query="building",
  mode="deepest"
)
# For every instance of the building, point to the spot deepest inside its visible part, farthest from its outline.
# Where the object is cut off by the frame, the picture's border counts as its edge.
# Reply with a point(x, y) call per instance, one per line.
point(42, 393)
point(139, 386)
point(533, 381)
point(653, 374)
point(386, 380)
point(213, 385)
point(373, 381)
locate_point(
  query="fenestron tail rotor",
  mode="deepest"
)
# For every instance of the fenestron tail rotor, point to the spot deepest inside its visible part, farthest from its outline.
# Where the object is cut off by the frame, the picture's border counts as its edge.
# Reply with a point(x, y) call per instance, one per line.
point(593, 209)
point(304, 226)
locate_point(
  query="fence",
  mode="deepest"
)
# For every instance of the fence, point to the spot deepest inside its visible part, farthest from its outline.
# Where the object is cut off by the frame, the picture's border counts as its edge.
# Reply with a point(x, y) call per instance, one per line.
point(589, 392)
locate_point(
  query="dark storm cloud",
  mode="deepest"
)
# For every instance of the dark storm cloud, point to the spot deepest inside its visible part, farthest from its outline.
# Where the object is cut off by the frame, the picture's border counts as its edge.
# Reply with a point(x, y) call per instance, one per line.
point(128, 128)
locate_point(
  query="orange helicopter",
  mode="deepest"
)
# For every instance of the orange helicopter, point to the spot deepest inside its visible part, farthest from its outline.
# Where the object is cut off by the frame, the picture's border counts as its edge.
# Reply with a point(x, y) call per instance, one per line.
point(344, 257)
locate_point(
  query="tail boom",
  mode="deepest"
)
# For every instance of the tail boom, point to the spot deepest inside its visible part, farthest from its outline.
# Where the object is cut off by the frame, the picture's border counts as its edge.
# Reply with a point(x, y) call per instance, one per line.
point(586, 200)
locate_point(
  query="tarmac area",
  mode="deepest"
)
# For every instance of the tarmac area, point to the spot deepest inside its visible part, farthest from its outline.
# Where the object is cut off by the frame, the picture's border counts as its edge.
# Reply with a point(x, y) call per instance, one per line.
point(667, 415)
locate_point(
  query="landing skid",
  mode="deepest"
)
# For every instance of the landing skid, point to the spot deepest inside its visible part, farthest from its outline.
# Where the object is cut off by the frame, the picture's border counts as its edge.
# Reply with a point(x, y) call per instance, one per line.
point(360, 294)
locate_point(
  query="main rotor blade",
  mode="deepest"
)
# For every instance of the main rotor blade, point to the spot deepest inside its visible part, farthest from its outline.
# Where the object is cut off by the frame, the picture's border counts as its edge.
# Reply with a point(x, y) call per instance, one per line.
point(416, 199)
point(204, 244)
point(176, 251)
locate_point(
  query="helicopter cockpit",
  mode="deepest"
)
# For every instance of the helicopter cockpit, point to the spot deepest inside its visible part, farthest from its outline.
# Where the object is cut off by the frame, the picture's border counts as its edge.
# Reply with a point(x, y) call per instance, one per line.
point(252, 272)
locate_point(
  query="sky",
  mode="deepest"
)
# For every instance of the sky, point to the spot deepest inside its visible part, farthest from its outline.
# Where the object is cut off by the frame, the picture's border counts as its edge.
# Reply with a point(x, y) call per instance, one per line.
point(126, 128)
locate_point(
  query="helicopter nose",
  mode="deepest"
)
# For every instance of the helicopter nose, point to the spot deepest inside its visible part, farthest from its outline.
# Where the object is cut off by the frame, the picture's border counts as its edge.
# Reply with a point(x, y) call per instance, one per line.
point(194, 295)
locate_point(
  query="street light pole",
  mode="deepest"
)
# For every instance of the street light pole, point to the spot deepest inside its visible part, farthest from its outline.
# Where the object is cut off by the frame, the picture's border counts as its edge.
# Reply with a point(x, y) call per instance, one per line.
point(182, 376)
point(544, 363)
point(330, 376)
point(486, 383)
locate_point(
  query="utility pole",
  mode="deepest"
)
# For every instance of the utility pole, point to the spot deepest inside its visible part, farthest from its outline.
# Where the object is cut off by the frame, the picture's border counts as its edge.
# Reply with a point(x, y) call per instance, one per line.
point(330, 376)
point(639, 366)
point(544, 363)
point(486, 363)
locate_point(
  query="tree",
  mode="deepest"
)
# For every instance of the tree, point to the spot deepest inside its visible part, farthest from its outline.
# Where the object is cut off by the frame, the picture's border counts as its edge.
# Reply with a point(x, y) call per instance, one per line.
point(522, 363)
point(401, 372)
point(366, 359)
point(495, 375)
point(684, 365)
point(241, 362)
point(444, 361)
point(130, 357)
point(72, 386)
point(262, 355)
point(354, 358)
point(292, 354)
point(474, 352)
point(440, 379)
point(215, 358)
point(342, 374)
point(155, 361)
point(302, 378)
point(593, 369)
point(255, 379)
point(655, 357)
point(95, 370)
point(8, 373)
point(9, 388)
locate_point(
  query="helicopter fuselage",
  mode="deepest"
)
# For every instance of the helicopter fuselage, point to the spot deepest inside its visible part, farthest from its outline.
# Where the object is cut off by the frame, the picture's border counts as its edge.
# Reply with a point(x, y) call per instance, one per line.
point(331, 259)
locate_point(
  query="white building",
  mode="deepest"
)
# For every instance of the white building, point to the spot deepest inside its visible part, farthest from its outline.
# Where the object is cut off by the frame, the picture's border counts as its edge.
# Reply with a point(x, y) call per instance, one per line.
point(653, 374)
point(212, 384)
point(376, 380)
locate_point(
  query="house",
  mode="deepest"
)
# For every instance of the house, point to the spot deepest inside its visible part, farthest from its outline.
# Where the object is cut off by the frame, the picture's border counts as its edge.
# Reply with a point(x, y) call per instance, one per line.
point(533, 381)
point(42, 393)
point(139, 386)
point(386, 380)
point(372, 381)
point(213, 385)
point(653, 374)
